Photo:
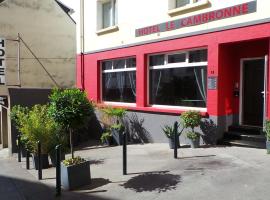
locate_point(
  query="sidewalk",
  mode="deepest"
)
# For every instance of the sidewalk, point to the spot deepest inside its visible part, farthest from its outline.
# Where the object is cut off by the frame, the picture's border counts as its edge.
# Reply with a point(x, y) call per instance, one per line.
point(17, 184)
point(219, 173)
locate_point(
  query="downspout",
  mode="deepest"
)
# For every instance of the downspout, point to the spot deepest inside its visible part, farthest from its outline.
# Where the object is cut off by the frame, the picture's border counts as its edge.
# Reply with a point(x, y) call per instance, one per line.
point(82, 42)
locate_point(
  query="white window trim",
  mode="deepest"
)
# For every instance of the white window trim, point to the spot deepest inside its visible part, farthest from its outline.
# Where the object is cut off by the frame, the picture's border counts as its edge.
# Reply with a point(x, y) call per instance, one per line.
point(126, 69)
point(112, 103)
point(192, 5)
point(173, 65)
point(113, 17)
point(184, 108)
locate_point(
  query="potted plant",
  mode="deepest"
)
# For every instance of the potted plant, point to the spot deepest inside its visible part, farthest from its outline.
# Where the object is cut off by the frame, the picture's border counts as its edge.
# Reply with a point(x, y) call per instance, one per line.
point(36, 126)
point(72, 110)
point(267, 132)
point(106, 138)
point(117, 117)
point(169, 132)
point(191, 120)
point(18, 114)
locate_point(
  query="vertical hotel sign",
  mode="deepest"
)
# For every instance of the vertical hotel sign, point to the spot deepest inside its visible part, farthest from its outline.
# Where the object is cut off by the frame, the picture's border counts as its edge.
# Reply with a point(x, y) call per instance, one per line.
point(237, 10)
point(2, 61)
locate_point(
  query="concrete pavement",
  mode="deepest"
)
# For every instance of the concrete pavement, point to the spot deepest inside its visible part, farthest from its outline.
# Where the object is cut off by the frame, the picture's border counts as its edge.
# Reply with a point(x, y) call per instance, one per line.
point(220, 173)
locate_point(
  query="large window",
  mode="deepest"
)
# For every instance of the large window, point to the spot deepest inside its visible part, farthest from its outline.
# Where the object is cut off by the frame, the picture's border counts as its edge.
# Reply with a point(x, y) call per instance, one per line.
point(178, 79)
point(119, 80)
point(108, 10)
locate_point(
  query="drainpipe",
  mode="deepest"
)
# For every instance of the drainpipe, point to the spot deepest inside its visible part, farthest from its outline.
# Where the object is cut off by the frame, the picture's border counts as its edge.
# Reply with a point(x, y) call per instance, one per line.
point(82, 42)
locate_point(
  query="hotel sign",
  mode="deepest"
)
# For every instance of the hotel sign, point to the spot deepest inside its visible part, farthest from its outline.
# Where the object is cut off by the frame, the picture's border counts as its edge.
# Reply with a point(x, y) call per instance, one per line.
point(2, 61)
point(203, 18)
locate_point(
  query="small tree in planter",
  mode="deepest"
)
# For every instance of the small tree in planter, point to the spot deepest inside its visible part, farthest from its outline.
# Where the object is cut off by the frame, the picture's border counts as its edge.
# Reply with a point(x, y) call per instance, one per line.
point(71, 109)
point(117, 117)
point(169, 132)
point(191, 120)
point(267, 132)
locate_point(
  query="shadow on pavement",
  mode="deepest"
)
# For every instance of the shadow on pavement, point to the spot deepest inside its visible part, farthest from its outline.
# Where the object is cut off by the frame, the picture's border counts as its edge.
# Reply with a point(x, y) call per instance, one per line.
point(96, 162)
point(149, 182)
point(17, 189)
point(95, 183)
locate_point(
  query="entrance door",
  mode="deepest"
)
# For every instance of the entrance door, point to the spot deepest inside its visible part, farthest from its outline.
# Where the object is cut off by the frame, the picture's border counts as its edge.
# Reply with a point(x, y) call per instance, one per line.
point(253, 92)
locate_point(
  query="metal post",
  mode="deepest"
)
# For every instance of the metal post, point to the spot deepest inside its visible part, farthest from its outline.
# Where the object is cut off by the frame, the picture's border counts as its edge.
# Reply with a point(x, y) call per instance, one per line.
point(27, 159)
point(19, 61)
point(175, 140)
point(124, 153)
point(58, 170)
point(39, 162)
point(19, 149)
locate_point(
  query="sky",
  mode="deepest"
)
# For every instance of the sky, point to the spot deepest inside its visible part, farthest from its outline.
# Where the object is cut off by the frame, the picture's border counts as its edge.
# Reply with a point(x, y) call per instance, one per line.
point(75, 5)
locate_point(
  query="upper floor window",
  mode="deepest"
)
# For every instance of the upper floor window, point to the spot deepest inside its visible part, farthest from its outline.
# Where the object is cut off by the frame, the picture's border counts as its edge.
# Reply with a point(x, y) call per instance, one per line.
point(181, 3)
point(178, 6)
point(106, 13)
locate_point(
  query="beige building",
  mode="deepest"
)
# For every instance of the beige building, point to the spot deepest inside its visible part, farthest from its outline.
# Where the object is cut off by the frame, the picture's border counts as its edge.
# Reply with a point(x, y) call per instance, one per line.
point(40, 53)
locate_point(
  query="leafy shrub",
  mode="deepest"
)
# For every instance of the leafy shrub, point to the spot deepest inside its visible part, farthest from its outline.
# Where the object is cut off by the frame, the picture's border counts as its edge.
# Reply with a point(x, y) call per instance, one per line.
point(73, 161)
point(169, 130)
point(267, 129)
point(35, 125)
point(191, 119)
point(105, 137)
point(193, 135)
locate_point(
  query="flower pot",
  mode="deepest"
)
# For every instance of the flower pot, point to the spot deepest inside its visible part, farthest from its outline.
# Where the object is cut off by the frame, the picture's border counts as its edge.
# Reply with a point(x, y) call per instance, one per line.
point(53, 158)
point(117, 136)
point(75, 176)
point(268, 146)
point(171, 143)
point(44, 161)
point(194, 143)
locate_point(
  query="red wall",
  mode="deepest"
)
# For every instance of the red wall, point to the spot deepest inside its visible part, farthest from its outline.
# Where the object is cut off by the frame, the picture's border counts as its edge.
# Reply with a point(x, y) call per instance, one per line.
point(225, 49)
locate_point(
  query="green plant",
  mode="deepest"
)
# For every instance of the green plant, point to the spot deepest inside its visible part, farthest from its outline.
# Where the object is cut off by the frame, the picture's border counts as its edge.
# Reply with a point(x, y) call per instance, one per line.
point(71, 109)
point(35, 125)
point(169, 130)
point(105, 137)
point(73, 161)
point(191, 119)
point(116, 116)
point(267, 129)
point(192, 135)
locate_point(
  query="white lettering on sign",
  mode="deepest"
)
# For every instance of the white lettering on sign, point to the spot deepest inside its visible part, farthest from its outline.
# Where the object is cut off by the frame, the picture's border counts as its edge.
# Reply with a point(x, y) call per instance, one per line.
point(2, 61)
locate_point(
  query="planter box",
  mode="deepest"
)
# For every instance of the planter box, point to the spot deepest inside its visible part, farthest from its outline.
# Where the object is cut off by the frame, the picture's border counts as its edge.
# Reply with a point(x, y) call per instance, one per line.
point(194, 143)
point(117, 136)
point(172, 143)
point(268, 146)
point(75, 176)
point(53, 158)
point(44, 161)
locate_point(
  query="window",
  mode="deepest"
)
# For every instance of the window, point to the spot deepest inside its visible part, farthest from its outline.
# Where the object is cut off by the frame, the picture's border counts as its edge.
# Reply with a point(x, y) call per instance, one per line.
point(181, 3)
point(179, 79)
point(107, 13)
point(119, 80)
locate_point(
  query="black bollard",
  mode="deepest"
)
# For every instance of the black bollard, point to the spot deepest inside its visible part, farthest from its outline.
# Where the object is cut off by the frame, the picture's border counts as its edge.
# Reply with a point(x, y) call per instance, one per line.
point(27, 159)
point(175, 139)
point(39, 162)
point(58, 170)
point(19, 149)
point(124, 153)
